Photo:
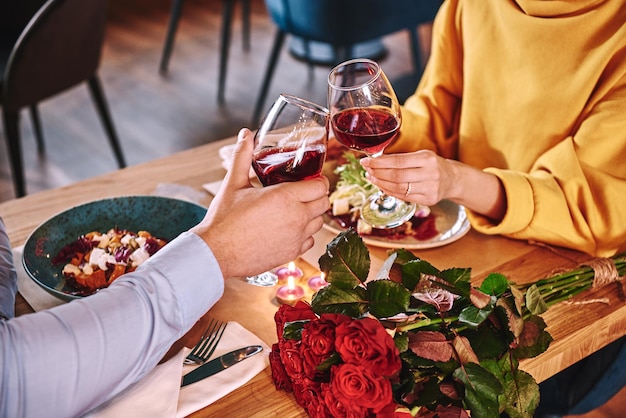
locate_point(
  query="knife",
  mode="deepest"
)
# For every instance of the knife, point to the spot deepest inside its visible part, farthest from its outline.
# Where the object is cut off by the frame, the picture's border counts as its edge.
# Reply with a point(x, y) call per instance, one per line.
point(221, 363)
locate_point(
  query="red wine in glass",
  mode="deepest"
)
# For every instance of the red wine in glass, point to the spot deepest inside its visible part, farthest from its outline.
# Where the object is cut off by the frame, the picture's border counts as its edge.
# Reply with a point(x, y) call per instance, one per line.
point(365, 129)
point(274, 165)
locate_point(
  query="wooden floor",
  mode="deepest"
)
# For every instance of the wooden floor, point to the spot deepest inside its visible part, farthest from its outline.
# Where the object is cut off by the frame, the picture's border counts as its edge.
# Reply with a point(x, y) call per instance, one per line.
point(156, 116)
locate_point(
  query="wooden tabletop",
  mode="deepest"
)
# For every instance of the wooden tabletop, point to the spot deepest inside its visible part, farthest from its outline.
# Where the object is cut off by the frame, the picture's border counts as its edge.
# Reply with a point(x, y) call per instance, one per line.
point(578, 329)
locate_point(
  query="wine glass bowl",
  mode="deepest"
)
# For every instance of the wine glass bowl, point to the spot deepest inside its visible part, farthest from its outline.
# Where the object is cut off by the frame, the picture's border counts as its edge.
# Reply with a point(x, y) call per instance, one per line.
point(365, 116)
point(290, 145)
point(369, 130)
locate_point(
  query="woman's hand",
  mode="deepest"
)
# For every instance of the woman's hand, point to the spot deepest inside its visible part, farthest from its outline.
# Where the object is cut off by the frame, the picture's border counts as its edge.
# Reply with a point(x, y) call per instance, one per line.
point(422, 177)
point(252, 229)
point(426, 178)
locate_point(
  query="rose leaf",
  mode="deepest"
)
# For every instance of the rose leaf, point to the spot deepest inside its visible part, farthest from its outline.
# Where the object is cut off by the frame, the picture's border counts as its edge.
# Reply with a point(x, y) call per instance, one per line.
point(431, 345)
point(482, 389)
point(534, 339)
point(521, 394)
point(495, 284)
point(412, 272)
point(334, 299)
point(534, 301)
point(459, 279)
point(387, 298)
point(346, 262)
point(473, 317)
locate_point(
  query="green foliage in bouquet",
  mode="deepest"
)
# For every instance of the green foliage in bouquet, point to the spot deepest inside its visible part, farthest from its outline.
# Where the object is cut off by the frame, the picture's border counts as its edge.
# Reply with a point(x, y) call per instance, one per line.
point(459, 346)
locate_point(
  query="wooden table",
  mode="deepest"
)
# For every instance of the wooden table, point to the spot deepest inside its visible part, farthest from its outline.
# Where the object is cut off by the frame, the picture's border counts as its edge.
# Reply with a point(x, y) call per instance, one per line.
point(578, 330)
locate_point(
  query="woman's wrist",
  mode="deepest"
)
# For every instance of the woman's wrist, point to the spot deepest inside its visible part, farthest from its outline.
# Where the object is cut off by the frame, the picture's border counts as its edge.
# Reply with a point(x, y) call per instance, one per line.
point(478, 191)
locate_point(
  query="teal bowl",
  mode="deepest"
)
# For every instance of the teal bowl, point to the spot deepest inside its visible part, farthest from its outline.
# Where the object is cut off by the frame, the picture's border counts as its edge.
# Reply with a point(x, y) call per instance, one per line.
point(163, 217)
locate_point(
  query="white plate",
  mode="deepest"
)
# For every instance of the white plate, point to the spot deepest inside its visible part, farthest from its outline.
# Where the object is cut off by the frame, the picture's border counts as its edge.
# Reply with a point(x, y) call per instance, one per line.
point(451, 220)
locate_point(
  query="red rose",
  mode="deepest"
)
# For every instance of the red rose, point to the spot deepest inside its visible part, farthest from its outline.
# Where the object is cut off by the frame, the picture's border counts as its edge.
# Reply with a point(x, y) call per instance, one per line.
point(291, 359)
point(337, 409)
point(279, 375)
point(318, 341)
point(286, 313)
point(358, 385)
point(308, 393)
point(366, 343)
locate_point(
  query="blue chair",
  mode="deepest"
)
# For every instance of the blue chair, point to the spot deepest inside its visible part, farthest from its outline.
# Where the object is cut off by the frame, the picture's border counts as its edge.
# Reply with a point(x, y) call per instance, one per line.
point(343, 24)
point(47, 47)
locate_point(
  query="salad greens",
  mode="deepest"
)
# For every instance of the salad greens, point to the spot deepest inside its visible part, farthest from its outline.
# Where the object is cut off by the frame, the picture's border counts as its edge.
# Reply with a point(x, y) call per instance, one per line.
point(352, 186)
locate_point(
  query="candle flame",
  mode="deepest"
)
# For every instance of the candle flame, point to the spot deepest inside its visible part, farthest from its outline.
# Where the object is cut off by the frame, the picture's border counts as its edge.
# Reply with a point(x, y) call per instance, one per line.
point(291, 267)
point(291, 285)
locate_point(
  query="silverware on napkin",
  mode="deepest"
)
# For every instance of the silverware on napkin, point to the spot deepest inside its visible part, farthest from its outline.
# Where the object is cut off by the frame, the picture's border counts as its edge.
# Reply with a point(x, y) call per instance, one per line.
point(220, 363)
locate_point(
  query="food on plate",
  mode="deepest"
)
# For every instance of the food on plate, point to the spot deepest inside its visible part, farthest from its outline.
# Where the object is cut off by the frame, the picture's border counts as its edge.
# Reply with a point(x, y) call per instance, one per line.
point(351, 192)
point(96, 259)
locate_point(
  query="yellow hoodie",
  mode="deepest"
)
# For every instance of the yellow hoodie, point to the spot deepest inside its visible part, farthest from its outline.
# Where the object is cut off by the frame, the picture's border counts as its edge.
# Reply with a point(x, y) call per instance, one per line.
point(533, 91)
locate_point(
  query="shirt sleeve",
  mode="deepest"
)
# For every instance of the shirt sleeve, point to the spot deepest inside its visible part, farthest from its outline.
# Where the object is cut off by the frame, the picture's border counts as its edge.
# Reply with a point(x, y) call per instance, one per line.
point(8, 276)
point(430, 117)
point(69, 359)
point(575, 194)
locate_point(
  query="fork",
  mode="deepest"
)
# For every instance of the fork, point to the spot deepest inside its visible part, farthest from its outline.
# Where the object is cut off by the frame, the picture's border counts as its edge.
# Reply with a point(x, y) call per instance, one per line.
point(207, 344)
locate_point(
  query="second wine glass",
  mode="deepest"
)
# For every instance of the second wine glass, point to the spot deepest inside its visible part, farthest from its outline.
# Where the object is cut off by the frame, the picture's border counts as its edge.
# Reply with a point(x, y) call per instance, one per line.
point(365, 116)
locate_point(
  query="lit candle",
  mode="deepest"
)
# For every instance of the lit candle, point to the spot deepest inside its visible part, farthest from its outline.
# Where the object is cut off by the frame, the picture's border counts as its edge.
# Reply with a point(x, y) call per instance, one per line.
point(290, 293)
point(291, 270)
point(317, 282)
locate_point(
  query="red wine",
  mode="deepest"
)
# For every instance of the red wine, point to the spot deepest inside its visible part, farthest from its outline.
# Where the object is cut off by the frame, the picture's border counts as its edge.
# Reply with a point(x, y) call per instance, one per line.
point(274, 165)
point(365, 129)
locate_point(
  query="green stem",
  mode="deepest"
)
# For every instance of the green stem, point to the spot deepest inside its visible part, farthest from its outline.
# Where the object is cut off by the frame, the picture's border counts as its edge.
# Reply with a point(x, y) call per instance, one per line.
point(424, 323)
point(563, 286)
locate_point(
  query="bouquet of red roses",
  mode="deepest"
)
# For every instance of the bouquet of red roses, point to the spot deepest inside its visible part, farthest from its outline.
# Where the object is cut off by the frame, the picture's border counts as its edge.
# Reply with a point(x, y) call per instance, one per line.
point(416, 341)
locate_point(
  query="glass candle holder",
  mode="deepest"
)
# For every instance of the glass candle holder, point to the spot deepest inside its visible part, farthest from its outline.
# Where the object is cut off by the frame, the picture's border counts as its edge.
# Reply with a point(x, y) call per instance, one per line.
point(290, 293)
point(291, 270)
point(317, 282)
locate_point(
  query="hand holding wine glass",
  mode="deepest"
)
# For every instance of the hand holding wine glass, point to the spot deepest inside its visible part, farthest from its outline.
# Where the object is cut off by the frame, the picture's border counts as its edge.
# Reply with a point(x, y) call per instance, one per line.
point(365, 116)
point(290, 145)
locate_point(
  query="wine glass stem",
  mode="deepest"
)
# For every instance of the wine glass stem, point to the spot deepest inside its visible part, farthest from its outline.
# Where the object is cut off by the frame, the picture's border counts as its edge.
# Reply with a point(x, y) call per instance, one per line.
point(386, 203)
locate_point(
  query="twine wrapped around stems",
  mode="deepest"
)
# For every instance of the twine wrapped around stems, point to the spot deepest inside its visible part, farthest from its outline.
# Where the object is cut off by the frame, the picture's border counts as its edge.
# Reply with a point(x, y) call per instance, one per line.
point(605, 271)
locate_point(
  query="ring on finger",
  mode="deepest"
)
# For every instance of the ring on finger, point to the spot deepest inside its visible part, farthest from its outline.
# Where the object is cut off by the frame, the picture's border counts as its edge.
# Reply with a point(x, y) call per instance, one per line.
point(408, 189)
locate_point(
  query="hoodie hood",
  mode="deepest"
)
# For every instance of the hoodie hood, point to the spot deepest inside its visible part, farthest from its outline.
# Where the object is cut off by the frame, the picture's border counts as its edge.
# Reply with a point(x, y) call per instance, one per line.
point(557, 8)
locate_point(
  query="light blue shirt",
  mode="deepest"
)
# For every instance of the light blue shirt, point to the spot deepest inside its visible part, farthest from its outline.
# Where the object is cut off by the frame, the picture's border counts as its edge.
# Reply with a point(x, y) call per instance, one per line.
point(8, 276)
point(65, 361)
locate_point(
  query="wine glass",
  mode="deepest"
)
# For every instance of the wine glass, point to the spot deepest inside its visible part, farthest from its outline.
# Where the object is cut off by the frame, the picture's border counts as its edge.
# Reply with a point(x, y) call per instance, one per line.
point(290, 145)
point(365, 116)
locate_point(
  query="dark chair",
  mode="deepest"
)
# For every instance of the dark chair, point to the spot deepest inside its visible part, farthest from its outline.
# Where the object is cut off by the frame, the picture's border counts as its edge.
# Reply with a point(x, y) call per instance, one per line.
point(47, 48)
point(343, 24)
point(227, 15)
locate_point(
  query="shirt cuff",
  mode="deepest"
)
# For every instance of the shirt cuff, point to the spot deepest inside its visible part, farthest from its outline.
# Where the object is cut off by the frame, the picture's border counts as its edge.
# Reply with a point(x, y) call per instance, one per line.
point(193, 272)
point(520, 206)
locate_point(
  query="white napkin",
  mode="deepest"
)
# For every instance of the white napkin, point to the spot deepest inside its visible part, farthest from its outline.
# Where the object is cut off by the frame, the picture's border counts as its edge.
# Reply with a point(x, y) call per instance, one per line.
point(156, 395)
point(159, 394)
point(200, 394)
